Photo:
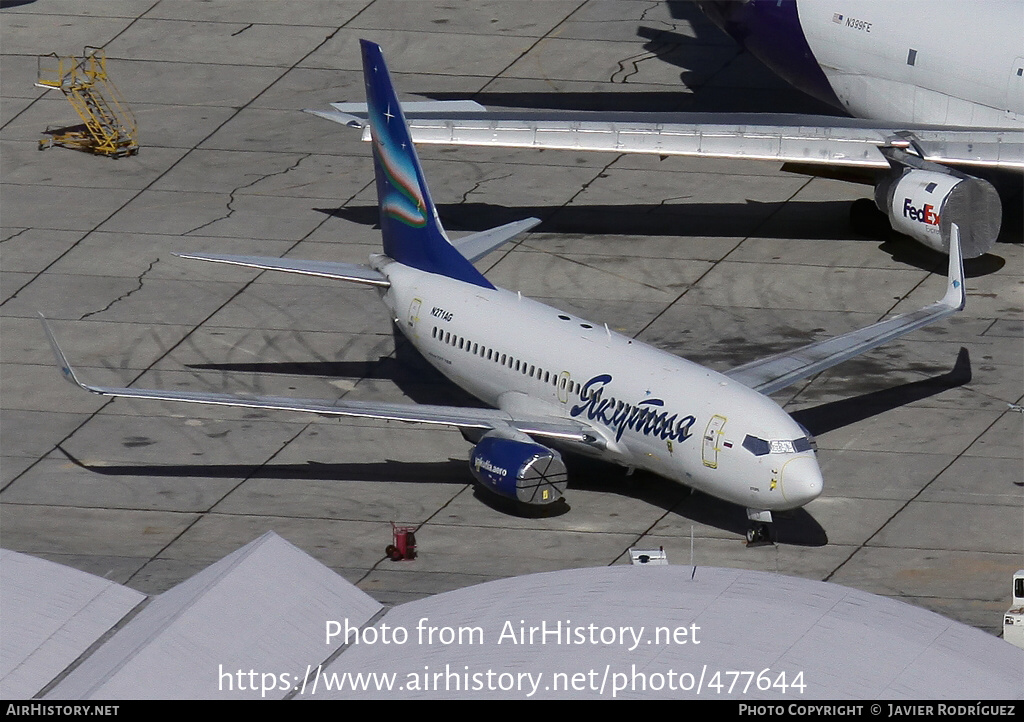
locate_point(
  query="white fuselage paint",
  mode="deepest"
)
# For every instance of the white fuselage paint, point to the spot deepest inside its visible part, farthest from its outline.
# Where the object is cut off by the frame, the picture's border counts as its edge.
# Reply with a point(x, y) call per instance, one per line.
point(549, 344)
point(967, 59)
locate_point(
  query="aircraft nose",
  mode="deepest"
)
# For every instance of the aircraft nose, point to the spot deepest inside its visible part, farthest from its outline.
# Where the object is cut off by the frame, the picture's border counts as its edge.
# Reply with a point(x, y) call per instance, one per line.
point(801, 480)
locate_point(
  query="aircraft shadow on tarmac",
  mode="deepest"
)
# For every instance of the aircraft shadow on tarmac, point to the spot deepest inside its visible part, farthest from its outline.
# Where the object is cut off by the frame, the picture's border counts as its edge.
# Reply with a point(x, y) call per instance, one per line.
point(837, 414)
point(811, 220)
point(406, 368)
point(452, 471)
point(825, 220)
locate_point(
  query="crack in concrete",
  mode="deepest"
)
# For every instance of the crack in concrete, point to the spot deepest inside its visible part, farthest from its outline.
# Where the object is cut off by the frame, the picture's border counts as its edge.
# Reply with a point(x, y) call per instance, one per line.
point(15, 235)
point(242, 30)
point(124, 295)
point(231, 196)
point(666, 201)
point(652, 6)
point(479, 183)
point(623, 73)
point(655, 46)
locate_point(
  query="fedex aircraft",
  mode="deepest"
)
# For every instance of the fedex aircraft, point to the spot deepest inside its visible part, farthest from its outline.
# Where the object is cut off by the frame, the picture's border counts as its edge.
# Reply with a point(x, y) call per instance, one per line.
point(939, 63)
point(556, 381)
point(936, 90)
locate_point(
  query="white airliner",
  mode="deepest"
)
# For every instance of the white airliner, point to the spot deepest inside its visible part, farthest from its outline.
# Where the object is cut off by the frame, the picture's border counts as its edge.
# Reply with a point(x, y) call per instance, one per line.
point(936, 88)
point(556, 380)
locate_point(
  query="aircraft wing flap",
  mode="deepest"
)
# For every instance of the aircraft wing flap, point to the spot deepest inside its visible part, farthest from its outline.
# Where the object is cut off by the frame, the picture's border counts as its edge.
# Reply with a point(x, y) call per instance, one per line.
point(776, 372)
point(841, 146)
point(324, 269)
point(457, 416)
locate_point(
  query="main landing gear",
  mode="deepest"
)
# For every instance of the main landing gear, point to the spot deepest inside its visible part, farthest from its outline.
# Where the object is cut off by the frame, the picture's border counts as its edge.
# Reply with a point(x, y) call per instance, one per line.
point(760, 532)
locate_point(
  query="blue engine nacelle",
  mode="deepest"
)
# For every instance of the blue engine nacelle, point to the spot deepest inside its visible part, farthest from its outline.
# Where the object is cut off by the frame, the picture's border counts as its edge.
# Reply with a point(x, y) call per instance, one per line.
point(519, 469)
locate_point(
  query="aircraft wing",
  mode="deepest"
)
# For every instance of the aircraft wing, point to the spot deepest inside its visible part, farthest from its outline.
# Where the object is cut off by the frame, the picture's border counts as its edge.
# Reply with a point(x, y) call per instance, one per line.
point(776, 372)
point(797, 139)
point(461, 417)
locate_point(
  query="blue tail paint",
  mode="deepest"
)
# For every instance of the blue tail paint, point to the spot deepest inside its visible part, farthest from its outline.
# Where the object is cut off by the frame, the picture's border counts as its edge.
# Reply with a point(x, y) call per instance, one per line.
point(411, 230)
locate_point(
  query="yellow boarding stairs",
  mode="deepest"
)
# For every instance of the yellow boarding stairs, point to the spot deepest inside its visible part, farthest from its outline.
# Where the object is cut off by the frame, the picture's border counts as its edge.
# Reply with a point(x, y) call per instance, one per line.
point(110, 127)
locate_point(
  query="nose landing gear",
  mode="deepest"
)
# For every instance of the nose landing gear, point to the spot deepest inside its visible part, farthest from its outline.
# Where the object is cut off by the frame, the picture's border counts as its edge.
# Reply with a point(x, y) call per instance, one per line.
point(760, 535)
point(760, 532)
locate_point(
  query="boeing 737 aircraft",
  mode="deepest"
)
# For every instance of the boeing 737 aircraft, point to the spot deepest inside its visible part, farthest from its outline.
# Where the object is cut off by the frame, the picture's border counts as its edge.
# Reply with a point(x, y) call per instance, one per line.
point(936, 90)
point(557, 381)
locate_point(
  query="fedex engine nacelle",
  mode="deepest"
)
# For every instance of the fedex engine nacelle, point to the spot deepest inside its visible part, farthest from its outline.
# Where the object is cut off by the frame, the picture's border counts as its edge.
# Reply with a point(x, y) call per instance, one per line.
point(519, 468)
point(923, 204)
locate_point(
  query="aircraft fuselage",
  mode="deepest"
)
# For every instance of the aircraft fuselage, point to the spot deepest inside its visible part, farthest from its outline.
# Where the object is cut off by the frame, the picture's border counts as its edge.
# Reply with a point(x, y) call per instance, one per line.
point(938, 63)
point(652, 409)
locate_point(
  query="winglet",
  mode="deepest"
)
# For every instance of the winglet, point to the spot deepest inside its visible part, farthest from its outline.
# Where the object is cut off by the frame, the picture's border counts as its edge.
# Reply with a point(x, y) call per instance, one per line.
point(62, 361)
point(956, 294)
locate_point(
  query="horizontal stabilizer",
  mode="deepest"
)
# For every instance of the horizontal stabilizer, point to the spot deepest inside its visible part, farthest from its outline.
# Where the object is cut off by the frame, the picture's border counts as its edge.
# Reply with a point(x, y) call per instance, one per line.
point(336, 116)
point(461, 417)
point(356, 114)
point(417, 107)
point(325, 269)
point(478, 245)
point(776, 372)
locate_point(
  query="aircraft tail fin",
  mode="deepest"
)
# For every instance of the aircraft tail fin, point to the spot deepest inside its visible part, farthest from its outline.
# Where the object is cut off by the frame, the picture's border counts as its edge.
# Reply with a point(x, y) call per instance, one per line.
point(411, 230)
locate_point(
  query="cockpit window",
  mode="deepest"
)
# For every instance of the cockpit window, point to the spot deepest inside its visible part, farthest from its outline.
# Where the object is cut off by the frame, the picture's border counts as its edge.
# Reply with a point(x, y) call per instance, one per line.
point(756, 446)
point(760, 447)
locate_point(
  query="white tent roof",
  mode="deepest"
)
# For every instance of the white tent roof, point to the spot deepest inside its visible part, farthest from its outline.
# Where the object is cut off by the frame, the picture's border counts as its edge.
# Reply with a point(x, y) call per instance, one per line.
point(49, 615)
point(262, 608)
point(847, 644)
point(628, 631)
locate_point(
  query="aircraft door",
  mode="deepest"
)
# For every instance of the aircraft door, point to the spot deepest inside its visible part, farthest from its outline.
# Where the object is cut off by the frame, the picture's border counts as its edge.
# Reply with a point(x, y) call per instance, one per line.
point(712, 441)
point(563, 387)
point(414, 312)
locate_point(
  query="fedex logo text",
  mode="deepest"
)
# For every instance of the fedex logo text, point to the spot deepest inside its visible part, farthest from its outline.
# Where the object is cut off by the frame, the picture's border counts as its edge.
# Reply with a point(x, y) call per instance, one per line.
point(924, 215)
